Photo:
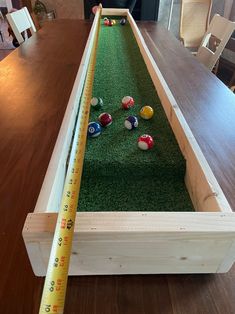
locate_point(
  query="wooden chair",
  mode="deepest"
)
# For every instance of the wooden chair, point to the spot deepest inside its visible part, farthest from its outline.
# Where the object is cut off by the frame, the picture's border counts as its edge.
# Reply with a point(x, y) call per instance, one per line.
point(220, 29)
point(1, 22)
point(227, 60)
point(21, 21)
point(194, 21)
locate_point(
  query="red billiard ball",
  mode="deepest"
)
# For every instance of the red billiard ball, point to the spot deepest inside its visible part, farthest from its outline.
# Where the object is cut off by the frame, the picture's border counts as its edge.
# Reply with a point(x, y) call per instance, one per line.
point(105, 119)
point(145, 142)
point(127, 102)
point(106, 22)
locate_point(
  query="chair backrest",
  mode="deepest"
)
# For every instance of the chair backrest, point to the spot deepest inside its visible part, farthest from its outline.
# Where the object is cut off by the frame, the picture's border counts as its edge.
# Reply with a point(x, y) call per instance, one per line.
point(221, 29)
point(20, 21)
point(194, 21)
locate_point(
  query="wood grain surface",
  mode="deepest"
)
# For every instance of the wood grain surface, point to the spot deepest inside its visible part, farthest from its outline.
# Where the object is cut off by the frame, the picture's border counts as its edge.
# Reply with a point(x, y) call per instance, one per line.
point(35, 83)
point(206, 103)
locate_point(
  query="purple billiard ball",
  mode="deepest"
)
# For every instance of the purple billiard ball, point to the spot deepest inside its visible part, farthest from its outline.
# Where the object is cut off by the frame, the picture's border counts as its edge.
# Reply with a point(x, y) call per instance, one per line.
point(131, 122)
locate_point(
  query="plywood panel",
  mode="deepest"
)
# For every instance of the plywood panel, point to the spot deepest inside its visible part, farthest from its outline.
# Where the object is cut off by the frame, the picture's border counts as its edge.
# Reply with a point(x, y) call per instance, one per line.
point(138, 243)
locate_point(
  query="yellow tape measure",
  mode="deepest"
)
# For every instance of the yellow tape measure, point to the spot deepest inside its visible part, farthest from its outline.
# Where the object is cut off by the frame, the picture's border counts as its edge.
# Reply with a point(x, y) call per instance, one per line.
point(53, 297)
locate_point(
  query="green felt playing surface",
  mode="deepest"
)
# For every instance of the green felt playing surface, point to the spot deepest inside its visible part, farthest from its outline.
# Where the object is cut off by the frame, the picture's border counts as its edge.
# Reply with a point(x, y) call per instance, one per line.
point(117, 175)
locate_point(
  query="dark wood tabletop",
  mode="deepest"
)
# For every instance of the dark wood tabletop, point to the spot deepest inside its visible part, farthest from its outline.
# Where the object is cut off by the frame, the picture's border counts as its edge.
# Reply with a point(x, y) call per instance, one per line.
point(35, 84)
point(207, 105)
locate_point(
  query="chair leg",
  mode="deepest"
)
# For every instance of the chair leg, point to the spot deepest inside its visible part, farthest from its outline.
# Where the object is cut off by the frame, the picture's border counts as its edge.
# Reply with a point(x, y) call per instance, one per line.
point(232, 81)
point(216, 67)
point(1, 35)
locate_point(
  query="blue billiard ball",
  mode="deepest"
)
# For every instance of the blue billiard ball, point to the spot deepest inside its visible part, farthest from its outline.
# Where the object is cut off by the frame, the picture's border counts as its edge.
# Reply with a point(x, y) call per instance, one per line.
point(94, 129)
point(131, 122)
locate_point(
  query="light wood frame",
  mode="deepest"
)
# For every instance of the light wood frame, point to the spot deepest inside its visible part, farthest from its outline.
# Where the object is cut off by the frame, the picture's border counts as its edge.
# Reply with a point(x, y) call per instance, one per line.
point(221, 29)
point(137, 242)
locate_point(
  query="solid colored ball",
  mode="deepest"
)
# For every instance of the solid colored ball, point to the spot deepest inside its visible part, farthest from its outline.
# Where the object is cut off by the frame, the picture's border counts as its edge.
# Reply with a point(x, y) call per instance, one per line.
point(105, 119)
point(106, 22)
point(110, 23)
point(114, 22)
point(123, 21)
point(97, 103)
point(146, 112)
point(131, 122)
point(127, 102)
point(145, 142)
point(94, 129)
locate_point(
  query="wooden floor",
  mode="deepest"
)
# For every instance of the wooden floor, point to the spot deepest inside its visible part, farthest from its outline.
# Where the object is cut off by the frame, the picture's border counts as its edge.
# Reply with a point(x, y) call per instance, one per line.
point(20, 290)
point(163, 294)
point(4, 54)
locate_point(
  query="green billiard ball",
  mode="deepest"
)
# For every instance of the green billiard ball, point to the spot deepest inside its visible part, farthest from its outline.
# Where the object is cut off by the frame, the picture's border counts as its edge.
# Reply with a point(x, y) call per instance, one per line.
point(97, 103)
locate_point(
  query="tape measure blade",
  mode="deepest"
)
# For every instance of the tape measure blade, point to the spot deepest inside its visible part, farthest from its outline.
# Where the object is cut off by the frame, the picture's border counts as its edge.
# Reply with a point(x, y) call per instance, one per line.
point(53, 297)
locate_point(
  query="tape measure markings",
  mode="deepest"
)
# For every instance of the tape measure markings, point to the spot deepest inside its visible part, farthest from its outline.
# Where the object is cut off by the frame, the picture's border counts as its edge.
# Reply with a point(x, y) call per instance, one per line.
point(53, 297)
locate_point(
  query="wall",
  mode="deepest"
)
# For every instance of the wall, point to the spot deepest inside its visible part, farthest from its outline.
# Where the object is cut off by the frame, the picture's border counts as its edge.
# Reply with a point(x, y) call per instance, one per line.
point(75, 9)
point(218, 7)
point(232, 16)
point(69, 9)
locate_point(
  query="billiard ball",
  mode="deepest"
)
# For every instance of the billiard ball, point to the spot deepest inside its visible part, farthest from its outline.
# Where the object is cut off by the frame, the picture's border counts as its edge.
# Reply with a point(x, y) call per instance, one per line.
point(127, 102)
point(123, 21)
point(94, 129)
point(105, 119)
point(114, 22)
point(110, 23)
point(146, 112)
point(145, 142)
point(131, 122)
point(96, 103)
point(106, 22)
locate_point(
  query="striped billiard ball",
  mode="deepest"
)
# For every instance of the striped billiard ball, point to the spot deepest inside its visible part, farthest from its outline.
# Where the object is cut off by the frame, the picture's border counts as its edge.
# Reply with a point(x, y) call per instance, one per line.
point(123, 21)
point(97, 103)
point(94, 129)
point(105, 119)
point(131, 122)
point(146, 112)
point(145, 142)
point(127, 102)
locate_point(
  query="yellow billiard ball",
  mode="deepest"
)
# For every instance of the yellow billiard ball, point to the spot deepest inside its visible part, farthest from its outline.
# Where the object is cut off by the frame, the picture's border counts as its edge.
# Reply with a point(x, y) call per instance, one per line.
point(114, 22)
point(146, 112)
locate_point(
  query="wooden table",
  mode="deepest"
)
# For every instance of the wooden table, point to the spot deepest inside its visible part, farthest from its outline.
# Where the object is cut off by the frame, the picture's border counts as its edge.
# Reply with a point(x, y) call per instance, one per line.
point(35, 84)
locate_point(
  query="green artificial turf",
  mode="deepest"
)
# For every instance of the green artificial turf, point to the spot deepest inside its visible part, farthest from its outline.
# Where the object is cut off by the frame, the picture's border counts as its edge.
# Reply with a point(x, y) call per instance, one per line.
point(117, 175)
